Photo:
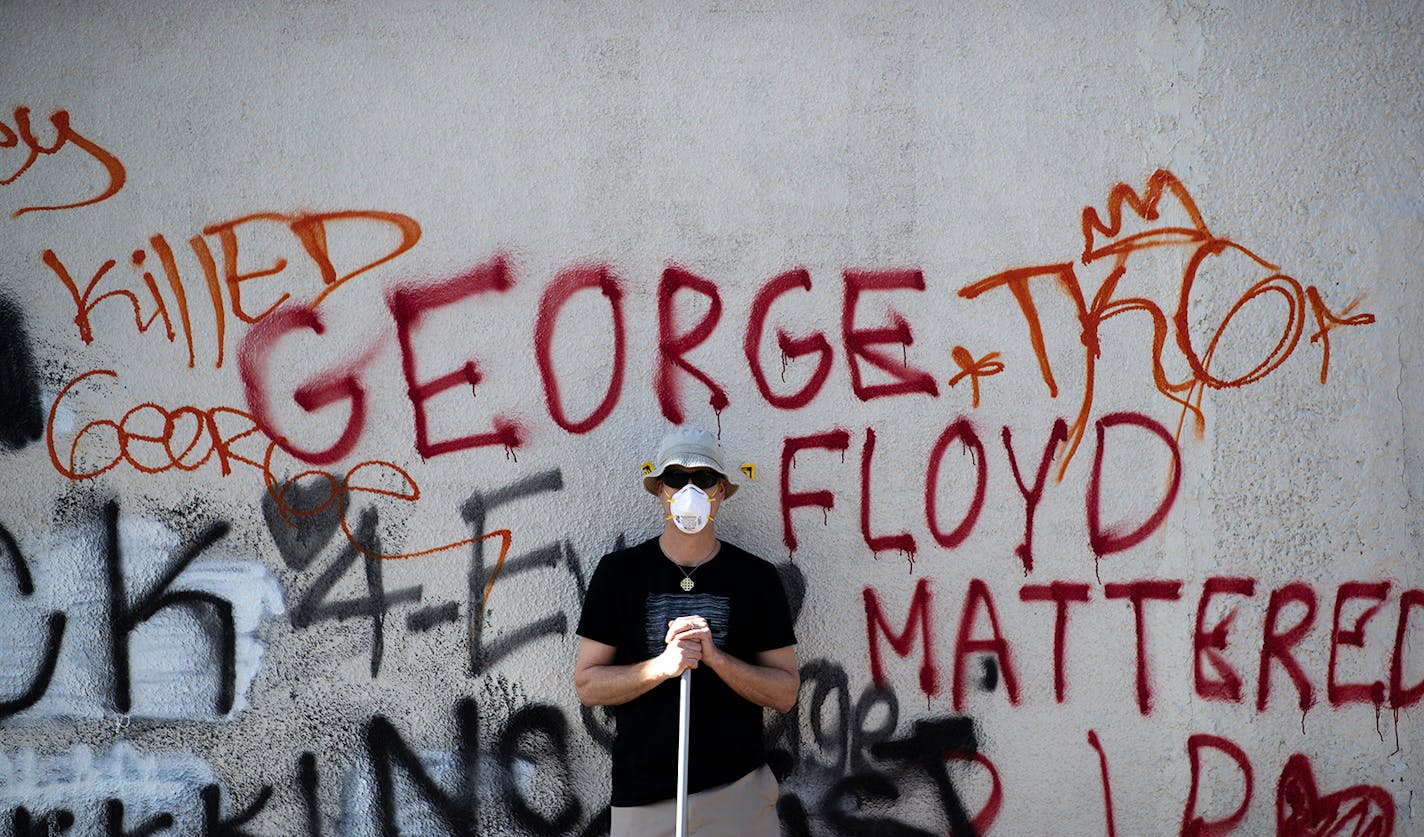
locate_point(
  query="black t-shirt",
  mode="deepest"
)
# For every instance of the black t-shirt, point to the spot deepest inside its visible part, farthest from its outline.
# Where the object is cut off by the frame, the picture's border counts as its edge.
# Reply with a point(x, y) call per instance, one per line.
point(631, 598)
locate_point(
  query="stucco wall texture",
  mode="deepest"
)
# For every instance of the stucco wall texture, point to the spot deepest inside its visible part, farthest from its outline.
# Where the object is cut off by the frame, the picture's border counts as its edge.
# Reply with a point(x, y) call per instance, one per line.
point(1072, 350)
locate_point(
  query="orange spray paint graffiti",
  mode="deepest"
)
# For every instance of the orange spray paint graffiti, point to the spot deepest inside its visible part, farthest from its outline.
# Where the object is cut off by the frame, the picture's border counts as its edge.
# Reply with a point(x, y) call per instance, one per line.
point(340, 491)
point(974, 369)
point(369, 481)
point(1113, 243)
point(147, 436)
point(226, 277)
point(64, 134)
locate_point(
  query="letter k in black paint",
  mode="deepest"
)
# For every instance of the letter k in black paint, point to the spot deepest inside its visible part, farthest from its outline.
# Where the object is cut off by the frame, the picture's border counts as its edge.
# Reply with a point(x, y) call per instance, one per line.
point(211, 610)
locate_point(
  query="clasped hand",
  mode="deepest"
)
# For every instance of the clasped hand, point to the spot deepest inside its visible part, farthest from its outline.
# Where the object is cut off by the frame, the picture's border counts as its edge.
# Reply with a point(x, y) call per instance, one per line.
point(689, 642)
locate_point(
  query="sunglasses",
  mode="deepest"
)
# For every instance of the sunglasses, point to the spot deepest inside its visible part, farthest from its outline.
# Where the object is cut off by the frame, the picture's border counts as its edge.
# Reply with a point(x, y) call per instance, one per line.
point(702, 479)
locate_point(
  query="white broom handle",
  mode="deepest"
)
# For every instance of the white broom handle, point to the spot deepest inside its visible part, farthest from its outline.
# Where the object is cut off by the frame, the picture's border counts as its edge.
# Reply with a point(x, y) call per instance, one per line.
point(684, 722)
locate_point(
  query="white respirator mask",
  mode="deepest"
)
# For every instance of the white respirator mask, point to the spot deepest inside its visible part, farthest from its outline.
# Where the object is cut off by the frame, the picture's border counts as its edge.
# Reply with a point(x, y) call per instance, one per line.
point(690, 509)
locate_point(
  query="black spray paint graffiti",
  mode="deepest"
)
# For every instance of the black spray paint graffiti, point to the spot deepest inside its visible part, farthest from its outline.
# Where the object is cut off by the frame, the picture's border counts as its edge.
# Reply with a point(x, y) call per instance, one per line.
point(112, 819)
point(54, 633)
point(476, 511)
point(519, 784)
point(114, 822)
point(316, 606)
point(524, 783)
point(21, 416)
point(842, 770)
point(213, 612)
point(163, 600)
point(533, 744)
point(842, 766)
point(302, 539)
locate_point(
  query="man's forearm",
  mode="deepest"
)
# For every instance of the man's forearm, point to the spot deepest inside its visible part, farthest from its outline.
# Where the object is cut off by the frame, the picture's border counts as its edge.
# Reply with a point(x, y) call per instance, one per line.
point(613, 685)
point(762, 685)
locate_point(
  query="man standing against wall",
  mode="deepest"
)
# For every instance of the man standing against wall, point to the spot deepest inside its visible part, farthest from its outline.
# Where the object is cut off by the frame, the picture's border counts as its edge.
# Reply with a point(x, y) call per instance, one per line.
point(685, 600)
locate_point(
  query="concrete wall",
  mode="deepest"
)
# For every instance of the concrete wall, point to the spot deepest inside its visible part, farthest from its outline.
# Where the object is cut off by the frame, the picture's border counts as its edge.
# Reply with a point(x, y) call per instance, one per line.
point(1076, 348)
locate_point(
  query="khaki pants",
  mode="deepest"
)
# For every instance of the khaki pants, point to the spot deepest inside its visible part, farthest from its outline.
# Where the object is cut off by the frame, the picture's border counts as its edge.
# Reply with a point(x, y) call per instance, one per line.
point(744, 808)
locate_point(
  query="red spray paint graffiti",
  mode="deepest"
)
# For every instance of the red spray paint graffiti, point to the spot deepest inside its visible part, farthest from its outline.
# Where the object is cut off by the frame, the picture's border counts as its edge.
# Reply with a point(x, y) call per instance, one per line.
point(555, 297)
point(903, 641)
point(408, 307)
point(791, 348)
point(1104, 540)
point(1208, 645)
point(1300, 809)
point(1193, 823)
point(674, 344)
point(861, 343)
point(1359, 811)
point(1276, 646)
point(1062, 594)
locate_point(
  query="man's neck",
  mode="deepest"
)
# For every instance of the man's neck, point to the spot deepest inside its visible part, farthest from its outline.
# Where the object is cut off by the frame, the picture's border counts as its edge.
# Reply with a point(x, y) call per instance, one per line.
point(688, 550)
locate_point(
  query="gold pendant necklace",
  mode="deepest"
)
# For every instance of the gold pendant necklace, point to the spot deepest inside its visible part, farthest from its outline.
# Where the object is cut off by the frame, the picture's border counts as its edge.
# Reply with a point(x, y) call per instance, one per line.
point(687, 583)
